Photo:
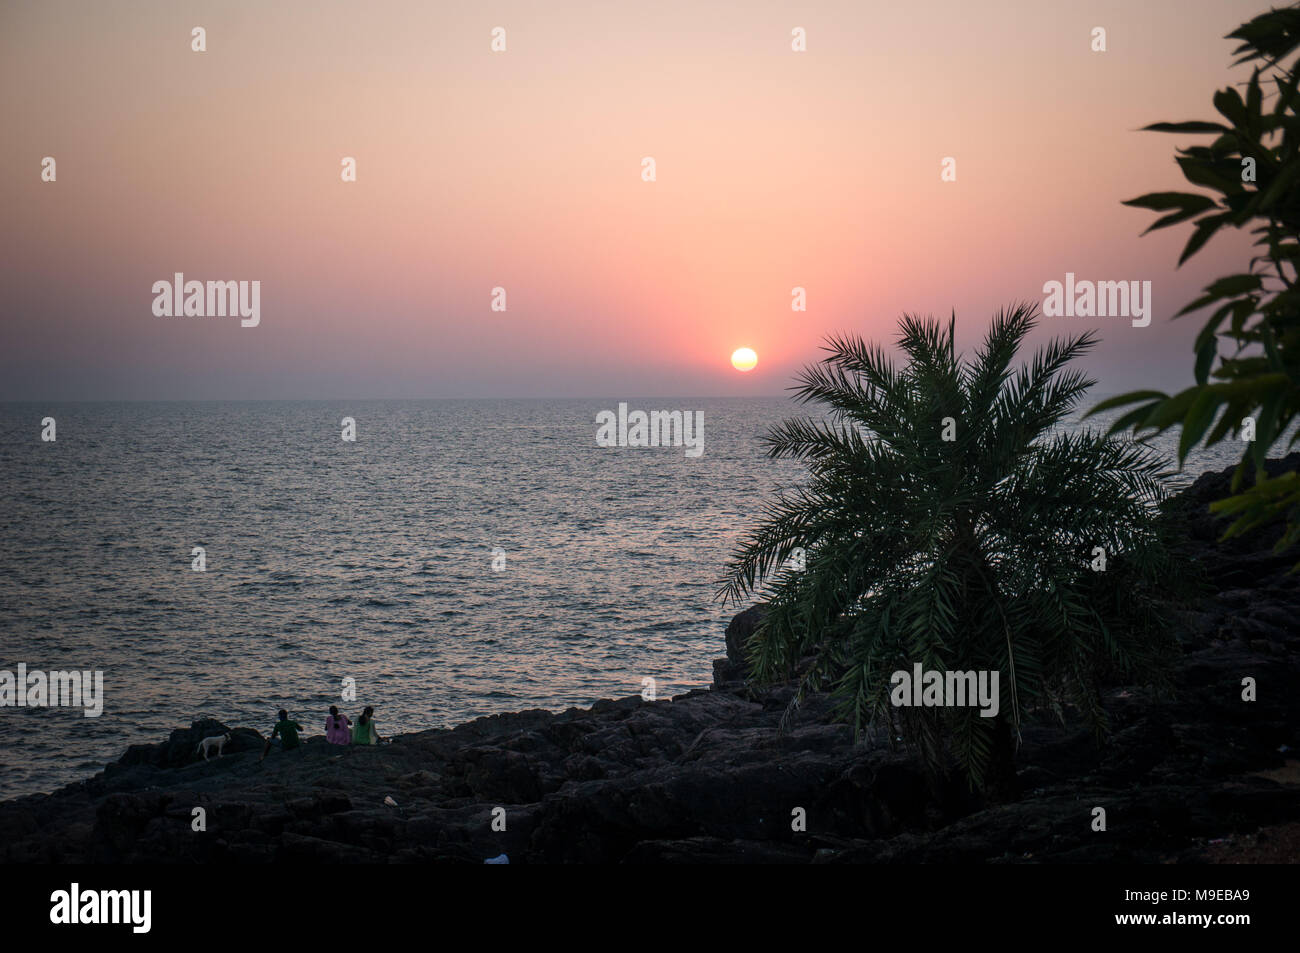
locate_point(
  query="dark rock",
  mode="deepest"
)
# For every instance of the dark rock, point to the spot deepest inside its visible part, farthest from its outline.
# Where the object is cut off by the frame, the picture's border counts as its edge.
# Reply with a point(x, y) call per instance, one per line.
point(730, 673)
point(740, 629)
point(182, 747)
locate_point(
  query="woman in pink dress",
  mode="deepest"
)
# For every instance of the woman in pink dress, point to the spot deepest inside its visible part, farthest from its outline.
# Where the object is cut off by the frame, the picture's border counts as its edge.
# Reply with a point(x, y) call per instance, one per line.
point(337, 727)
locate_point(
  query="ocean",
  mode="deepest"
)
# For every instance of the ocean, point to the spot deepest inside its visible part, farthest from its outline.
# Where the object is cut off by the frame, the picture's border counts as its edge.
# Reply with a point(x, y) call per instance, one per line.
point(459, 558)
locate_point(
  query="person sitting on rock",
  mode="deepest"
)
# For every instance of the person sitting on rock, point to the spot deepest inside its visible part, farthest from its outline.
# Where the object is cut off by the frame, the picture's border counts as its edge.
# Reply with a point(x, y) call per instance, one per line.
point(336, 727)
point(364, 731)
point(288, 732)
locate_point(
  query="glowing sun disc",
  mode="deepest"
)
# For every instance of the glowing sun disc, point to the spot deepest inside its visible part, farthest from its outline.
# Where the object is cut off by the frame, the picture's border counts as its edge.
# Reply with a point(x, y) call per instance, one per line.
point(744, 359)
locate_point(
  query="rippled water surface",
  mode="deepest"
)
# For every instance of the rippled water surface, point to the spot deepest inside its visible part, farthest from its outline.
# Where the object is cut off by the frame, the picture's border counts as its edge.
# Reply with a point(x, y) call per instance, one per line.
point(370, 560)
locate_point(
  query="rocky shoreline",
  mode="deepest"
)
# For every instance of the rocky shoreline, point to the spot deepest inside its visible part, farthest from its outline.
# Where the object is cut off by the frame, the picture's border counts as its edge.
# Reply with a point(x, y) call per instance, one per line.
point(711, 776)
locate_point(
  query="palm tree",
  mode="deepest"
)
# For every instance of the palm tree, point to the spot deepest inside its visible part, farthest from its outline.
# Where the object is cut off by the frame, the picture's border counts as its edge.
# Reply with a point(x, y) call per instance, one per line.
point(947, 520)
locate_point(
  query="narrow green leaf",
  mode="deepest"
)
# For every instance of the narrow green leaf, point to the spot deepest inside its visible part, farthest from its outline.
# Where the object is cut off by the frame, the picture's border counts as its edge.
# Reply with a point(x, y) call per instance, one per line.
point(1193, 126)
point(1205, 355)
point(1163, 201)
point(1205, 228)
point(1122, 400)
point(1198, 420)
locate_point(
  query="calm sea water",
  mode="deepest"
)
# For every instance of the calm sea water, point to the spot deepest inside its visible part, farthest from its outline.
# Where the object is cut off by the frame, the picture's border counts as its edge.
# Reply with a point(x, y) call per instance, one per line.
point(370, 560)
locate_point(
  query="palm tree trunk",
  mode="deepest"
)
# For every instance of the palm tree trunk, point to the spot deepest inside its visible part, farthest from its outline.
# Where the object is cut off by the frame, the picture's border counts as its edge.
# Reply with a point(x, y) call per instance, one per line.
point(1002, 783)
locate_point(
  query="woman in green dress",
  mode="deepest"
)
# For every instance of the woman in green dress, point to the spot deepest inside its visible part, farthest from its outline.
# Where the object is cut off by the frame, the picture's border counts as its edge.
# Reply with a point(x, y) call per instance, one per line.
point(364, 731)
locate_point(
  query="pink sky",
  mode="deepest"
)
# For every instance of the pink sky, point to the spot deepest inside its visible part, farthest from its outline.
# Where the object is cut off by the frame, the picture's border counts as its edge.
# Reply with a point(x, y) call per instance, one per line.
point(522, 169)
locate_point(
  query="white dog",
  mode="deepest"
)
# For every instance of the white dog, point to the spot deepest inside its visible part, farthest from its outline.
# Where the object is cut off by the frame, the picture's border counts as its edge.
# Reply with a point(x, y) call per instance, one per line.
point(216, 741)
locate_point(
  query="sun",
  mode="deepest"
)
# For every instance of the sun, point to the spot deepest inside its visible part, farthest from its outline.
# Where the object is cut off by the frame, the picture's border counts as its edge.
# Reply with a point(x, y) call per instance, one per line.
point(744, 359)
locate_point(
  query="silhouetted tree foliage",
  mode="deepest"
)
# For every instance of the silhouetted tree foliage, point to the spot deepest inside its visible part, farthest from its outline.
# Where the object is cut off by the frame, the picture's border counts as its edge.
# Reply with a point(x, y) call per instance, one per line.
point(1248, 352)
point(971, 553)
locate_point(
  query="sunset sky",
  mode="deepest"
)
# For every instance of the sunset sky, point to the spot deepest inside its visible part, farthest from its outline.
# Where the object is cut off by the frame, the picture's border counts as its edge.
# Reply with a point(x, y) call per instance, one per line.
point(522, 169)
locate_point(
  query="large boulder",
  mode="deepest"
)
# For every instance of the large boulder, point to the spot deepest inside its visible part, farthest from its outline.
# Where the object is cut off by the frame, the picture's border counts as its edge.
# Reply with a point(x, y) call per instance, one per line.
point(1192, 508)
point(732, 670)
point(182, 746)
point(740, 629)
